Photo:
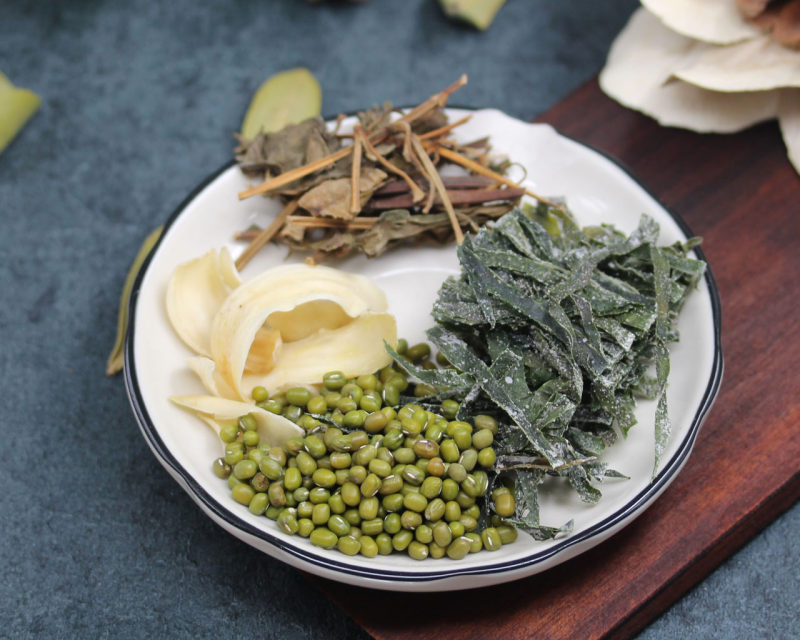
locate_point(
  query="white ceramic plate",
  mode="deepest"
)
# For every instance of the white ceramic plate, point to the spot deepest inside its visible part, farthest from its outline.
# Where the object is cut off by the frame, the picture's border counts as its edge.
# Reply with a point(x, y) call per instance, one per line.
point(597, 190)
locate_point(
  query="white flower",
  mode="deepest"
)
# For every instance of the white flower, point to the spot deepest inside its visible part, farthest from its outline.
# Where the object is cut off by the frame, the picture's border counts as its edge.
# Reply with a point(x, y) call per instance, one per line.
point(698, 64)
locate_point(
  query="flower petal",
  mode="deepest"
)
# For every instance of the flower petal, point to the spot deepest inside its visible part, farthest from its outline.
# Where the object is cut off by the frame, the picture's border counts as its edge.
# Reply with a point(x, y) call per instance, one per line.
point(714, 21)
point(272, 428)
point(639, 74)
point(206, 370)
point(282, 290)
point(195, 293)
point(355, 348)
point(759, 64)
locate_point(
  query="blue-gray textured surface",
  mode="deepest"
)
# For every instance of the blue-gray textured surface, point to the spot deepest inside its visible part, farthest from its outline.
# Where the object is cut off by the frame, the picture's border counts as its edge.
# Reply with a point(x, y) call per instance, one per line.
point(139, 101)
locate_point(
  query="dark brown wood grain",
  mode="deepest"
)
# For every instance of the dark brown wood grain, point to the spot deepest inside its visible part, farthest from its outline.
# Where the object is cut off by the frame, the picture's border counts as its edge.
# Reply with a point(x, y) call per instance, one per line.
point(741, 194)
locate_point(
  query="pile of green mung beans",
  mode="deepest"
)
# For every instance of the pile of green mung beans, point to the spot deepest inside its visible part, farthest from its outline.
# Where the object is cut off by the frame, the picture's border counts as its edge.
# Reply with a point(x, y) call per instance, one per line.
point(371, 476)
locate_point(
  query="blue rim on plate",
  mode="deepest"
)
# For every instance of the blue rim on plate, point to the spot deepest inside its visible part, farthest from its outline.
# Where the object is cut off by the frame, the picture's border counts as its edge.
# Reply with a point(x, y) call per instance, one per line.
point(658, 483)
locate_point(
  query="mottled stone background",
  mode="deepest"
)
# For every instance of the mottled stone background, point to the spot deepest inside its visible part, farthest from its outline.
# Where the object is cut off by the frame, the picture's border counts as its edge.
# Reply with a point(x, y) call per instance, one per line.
point(139, 102)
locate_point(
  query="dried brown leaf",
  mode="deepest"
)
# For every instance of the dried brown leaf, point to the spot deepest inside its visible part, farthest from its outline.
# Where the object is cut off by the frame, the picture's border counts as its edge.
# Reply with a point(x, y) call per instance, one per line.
point(332, 198)
point(291, 147)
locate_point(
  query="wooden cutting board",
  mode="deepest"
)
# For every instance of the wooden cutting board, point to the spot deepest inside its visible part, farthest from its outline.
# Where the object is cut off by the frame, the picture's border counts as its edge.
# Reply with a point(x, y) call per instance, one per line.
point(741, 194)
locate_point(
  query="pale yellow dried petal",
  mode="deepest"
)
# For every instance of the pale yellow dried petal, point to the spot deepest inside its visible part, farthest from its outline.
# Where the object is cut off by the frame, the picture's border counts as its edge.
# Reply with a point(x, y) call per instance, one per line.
point(213, 424)
point(759, 64)
point(227, 269)
point(272, 428)
point(356, 348)
point(282, 289)
point(264, 351)
point(713, 21)
point(639, 74)
point(196, 291)
point(308, 318)
point(206, 371)
point(789, 119)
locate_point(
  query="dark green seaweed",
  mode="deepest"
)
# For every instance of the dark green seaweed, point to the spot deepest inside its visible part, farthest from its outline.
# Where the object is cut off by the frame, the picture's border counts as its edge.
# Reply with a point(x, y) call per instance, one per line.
point(557, 330)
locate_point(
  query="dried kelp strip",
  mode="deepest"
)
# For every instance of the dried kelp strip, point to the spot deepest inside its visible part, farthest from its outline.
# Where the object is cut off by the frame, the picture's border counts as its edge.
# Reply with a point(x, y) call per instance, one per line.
point(500, 391)
point(661, 286)
point(437, 378)
point(555, 331)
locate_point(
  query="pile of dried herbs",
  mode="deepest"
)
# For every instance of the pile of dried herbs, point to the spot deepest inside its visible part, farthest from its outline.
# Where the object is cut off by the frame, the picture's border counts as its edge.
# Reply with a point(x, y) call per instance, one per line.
point(375, 188)
point(553, 329)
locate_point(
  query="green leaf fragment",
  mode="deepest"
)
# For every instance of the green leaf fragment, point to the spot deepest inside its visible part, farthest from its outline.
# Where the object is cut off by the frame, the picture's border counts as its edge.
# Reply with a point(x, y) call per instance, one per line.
point(526, 486)
point(556, 222)
point(116, 359)
point(478, 13)
point(288, 97)
point(610, 327)
point(507, 368)
point(16, 108)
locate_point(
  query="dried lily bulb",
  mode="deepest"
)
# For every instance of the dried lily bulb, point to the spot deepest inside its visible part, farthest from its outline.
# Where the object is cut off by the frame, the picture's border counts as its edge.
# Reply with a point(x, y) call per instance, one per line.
point(292, 323)
point(217, 412)
point(287, 326)
point(195, 293)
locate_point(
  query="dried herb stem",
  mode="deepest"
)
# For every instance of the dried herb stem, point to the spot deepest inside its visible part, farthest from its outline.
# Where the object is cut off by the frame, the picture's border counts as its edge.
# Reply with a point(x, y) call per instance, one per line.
point(355, 178)
point(408, 151)
point(478, 168)
point(436, 181)
point(411, 156)
point(295, 174)
point(451, 182)
point(266, 235)
point(456, 196)
point(339, 119)
point(436, 101)
point(417, 194)
point(361, 222)
point(437, 133)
